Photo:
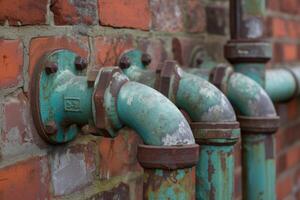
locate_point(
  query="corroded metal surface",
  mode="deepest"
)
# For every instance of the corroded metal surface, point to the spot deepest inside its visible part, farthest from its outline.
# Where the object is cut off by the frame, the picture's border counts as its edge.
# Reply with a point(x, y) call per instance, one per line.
point(168, 157)
point(259, 124)
point(169, 184)
point(57, 89)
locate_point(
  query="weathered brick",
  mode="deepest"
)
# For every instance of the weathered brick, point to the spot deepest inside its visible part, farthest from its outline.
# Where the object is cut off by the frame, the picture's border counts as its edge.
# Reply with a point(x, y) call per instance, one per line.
point(289, 6)
point(284, 186)
point(72, 168)
point(69, 12)
point(25, 12)
point(19, 135)
point(290, 52)
point(167, 15)
point(155, 48)
point(109, 48)
point(293, 156)
point(196, 17)
point(11, 59)
point(278, 27)
point(42, 45)
point(217, 20)
point(125, 13)
point(118, 155)
point(27, 179)
point(273, 4)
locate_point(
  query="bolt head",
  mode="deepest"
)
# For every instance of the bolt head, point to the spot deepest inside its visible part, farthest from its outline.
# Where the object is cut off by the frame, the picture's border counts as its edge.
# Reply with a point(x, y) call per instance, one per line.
point(51, 128)
point(124, 62)
point(80, 63)
point(51, 68)
point(146, 59)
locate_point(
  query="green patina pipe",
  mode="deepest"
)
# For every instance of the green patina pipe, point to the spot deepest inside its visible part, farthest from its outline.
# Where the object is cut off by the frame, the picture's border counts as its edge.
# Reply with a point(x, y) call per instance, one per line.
point(258, 163)
point(153, 116)
point(204, 103)
point(280, 84)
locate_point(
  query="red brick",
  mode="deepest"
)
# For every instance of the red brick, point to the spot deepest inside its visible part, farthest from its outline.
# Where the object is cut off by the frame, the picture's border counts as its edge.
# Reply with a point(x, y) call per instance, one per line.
point(125, 13)
point(68, 12)
point(11, 59)
point(25, 180)
point(273, 4)
point(292, 29)
point(293, 156)
point(290, 52)
point(109, 48)
point(167, 15)
point(156, 49)
point(238, 183)
point(289, 6)
point(72, 167)
point(284, 186)
point(196, 18)
point(278, 27)
point(42, 45)
point(118, 155)
point(277, 53)
point(23, 12)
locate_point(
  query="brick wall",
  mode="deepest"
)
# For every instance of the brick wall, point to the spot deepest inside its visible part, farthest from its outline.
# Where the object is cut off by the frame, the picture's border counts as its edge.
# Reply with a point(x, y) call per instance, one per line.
point(93, 167)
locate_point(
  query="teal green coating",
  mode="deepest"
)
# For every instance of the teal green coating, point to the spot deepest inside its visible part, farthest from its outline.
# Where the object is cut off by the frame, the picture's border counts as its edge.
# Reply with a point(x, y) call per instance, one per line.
point(137, 71)
point(183, 189)
point(280, 84)
point(64, 97)
point(204, 103)
point(153, 116)
point(259, 175)
point(202, 100)
point(255, 71)
point(215, 172)
point(249, 97)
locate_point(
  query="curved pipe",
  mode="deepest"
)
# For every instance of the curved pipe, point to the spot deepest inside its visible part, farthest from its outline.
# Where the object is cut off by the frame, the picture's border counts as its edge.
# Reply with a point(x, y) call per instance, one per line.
point(153, 116)
point(203, 101)
point(207, 107)
point(282, 84)
point(249, 97)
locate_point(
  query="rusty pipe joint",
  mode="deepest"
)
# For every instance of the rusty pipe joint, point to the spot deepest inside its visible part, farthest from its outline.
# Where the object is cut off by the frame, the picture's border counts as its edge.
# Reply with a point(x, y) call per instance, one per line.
point(239, 51)
point(107, 87)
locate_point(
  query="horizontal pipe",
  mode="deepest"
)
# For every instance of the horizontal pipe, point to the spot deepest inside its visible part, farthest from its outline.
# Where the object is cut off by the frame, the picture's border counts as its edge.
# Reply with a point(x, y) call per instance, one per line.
point(280, 84)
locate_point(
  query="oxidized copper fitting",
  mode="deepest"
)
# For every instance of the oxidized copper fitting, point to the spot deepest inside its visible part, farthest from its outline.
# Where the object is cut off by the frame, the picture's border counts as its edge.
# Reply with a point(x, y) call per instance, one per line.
point(237, 51)
point(106, 80)
point(168, 157)
point(216, 133)
point(217, 75)
point(169, 79)
point(259, 125)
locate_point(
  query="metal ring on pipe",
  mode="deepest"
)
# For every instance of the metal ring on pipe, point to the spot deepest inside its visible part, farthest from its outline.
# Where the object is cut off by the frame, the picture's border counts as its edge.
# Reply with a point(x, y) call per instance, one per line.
point(168, 157)
point(259, 125)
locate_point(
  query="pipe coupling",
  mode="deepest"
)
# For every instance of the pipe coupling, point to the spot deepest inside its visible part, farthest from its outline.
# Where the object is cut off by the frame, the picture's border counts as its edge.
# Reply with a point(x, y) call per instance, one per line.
point(168, 157)
point(259, 125)
point(107, 86)
point(170, 75)
point(237, 51)
point(216, 133)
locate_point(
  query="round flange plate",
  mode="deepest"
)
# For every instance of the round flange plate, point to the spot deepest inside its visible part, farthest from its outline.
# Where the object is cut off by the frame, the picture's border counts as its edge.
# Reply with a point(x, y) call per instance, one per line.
point(46, 100)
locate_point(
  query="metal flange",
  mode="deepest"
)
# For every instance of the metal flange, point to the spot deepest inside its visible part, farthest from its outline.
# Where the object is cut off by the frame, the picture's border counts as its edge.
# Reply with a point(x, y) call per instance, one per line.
point(50, 106)
point(168, 157)
point(259, 125)
point(248, 51)
point(216, 133)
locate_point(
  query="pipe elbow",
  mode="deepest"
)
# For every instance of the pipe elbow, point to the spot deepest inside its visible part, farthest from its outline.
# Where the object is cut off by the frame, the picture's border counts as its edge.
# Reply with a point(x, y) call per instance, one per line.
point(249, 97)
point(203, 101)
point(153, 116)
